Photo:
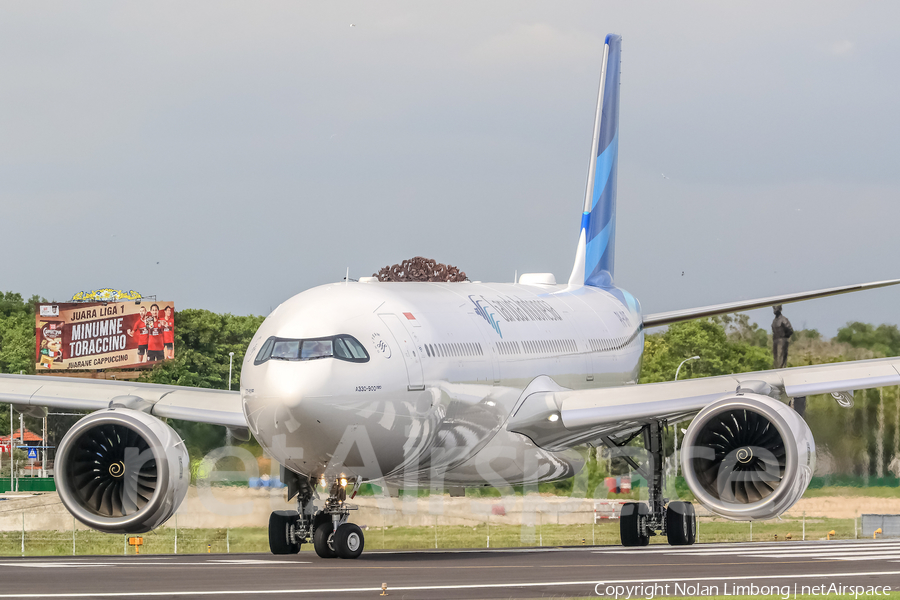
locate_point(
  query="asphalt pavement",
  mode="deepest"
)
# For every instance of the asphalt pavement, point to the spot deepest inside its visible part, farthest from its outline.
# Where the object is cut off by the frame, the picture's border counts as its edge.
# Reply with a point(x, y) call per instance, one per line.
point(608, 571)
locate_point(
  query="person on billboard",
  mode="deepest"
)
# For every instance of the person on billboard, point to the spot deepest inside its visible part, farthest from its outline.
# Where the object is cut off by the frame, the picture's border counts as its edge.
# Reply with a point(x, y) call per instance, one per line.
point(155, 335)
point(168, 321)
point(139, 328)
point(51, 351)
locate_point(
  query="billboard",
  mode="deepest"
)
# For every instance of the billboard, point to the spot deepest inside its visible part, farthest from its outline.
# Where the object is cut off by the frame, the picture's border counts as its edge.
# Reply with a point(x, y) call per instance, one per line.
point(101, 335)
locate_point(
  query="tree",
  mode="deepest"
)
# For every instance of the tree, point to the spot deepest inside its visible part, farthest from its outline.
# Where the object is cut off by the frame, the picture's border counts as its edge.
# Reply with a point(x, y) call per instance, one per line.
point(808, 347)
point(17, 343)
point(203, 340)
point(739, 329)
point(883, 340)
point(707, 338)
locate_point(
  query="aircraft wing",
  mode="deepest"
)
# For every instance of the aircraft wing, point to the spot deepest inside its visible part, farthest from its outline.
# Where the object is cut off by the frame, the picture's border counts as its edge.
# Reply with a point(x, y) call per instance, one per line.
point(218, 407)
point(675, 316)
point(556, 420)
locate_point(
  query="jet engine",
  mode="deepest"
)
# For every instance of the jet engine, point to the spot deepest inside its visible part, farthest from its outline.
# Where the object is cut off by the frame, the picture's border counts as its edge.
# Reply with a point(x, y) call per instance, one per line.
point(748, 457)
point(122, 471)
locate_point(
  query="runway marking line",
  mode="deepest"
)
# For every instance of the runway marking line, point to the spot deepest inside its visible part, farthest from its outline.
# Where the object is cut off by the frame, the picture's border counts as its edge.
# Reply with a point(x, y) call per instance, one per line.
point(443, 587)
point(278, 564)
point(253, 561)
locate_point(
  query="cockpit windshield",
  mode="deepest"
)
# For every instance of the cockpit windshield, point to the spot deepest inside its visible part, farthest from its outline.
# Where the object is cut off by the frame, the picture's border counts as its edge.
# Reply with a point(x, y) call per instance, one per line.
point(316, 349)
point(342, 347)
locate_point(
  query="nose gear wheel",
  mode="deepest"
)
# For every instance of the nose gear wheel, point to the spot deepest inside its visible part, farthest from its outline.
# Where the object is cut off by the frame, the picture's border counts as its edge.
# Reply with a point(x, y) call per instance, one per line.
point(328, 529)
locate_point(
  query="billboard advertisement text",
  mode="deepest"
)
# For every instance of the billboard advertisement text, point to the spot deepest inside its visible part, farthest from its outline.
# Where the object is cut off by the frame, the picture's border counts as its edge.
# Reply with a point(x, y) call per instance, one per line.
point(97, 335)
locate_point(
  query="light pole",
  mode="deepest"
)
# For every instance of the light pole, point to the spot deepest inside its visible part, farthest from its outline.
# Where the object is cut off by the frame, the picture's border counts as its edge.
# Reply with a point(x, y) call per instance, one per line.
point(675, 448)
point(230, 363)
point(682, 363)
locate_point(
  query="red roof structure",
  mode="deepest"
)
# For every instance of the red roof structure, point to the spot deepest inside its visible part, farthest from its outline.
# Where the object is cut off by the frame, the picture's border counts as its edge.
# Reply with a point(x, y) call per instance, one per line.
point(30, 436)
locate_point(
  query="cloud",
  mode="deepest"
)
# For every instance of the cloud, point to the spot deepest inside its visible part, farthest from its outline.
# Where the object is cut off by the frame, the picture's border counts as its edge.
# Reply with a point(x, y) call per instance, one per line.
point(536, 44)
point(842, 48)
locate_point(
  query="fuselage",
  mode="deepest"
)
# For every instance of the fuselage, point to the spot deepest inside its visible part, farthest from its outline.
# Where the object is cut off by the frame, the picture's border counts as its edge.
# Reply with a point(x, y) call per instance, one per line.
point(444, 366)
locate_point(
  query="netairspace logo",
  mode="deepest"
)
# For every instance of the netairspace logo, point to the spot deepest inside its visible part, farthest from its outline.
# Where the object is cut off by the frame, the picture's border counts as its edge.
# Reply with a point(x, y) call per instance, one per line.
point(649, 591)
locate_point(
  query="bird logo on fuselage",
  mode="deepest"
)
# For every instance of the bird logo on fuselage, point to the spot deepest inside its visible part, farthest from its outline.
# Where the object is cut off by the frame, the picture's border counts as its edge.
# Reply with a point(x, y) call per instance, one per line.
point(482, 311)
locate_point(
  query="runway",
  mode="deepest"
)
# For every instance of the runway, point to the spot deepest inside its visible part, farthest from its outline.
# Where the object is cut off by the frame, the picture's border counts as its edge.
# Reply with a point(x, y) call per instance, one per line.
point(502, 573)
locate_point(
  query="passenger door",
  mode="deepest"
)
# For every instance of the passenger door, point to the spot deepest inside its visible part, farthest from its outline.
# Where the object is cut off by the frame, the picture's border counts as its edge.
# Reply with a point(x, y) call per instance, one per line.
point(408, 349)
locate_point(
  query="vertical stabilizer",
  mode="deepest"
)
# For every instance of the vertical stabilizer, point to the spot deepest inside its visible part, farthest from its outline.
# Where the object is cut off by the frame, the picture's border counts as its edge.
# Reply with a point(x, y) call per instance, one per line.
point(595, 258)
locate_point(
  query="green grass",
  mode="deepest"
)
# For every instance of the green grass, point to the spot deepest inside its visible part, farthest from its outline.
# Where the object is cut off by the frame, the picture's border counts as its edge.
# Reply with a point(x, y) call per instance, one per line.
point(255, 539)
point(161, 541)
point(853, 492)
point(791, 597)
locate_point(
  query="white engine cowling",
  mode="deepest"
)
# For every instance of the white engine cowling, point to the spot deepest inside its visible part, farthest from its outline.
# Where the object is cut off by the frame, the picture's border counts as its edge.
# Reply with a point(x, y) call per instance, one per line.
point(748, 457)
point(122, 471)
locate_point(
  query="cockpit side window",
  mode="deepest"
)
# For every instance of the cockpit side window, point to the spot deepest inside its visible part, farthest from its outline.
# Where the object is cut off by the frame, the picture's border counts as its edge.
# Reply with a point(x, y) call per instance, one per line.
point(340, 350)
point(356, 349)
point(342, 347)
point(265, 352)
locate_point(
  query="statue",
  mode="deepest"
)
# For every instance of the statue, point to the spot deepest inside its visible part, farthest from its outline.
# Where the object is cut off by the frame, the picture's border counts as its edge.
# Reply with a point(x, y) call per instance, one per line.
point(781, 336)
point(420, 269)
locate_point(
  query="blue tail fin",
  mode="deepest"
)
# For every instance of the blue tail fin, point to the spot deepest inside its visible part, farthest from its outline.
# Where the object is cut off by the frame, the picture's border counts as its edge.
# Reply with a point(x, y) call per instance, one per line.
point(595, 260)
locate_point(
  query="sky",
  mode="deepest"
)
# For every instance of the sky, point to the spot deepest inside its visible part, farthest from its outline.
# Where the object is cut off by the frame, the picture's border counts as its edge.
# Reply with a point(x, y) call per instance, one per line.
point(228, 155)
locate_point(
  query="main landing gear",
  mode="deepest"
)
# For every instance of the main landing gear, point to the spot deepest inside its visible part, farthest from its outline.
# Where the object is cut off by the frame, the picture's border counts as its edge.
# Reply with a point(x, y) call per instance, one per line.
point(639, 521)
point(332, 535)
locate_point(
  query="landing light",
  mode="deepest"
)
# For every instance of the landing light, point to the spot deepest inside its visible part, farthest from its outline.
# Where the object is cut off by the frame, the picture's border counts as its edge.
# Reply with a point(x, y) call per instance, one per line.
point(343, 482)
point(322, 482)
point(553, 418)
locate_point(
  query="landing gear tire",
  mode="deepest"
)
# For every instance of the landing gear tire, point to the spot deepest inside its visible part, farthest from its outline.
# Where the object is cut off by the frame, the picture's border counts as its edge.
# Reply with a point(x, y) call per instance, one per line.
point(321, 538)
point(681, 524)
point(282, 524)
point(632, 524)
point(348, 541)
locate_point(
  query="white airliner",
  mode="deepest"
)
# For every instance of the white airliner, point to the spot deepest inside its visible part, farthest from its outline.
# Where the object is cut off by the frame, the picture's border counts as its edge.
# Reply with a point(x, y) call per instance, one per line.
point(450, 385)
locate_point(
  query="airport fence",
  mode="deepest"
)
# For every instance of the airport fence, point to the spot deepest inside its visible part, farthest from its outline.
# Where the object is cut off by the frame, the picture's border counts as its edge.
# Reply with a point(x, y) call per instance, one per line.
point(580, 528)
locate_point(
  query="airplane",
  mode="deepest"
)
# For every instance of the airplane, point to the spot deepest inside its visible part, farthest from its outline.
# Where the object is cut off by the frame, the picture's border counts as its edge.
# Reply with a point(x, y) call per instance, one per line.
point(455, 385)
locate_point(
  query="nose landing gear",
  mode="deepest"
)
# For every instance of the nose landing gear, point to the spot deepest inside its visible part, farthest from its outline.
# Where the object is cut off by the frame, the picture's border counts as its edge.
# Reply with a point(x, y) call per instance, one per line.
point(331, 533)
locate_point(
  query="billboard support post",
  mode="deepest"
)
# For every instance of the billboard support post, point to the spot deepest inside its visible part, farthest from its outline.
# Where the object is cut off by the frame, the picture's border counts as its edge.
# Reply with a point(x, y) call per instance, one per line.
point(44, 448)
point(11, 484)
point(21, 430)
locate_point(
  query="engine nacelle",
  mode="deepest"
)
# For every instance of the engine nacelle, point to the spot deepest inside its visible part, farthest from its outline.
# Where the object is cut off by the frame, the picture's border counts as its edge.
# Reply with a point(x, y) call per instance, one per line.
point(122, 471)
point(748, 457)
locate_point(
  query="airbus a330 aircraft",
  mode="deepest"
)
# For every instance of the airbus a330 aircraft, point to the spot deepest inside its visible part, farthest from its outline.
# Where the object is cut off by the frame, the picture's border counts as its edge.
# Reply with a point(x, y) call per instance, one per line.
point(456, 385)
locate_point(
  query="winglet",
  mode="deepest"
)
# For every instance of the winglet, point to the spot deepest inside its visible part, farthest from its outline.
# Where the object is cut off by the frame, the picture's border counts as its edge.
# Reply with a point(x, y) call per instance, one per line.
point(594, 259)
